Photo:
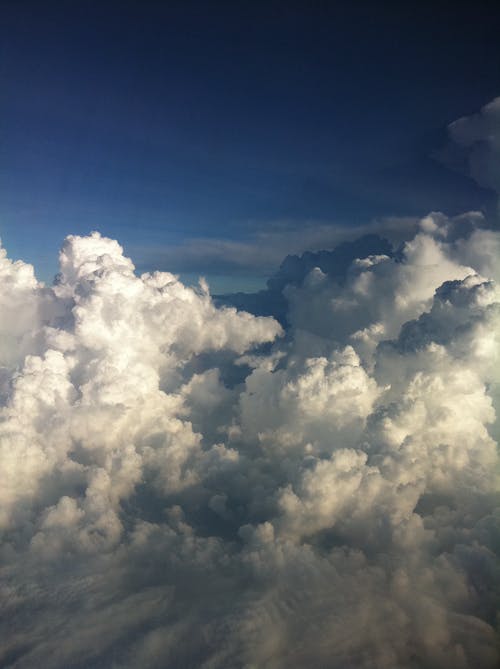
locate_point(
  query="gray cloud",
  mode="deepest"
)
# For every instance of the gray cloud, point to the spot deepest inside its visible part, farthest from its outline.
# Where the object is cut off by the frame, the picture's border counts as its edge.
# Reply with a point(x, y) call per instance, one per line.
point(480, 135)
point(474, 147)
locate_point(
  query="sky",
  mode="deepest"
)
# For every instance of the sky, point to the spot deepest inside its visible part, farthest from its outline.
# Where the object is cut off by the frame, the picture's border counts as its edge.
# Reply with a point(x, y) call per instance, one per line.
point(295, 461)
point(180, 128)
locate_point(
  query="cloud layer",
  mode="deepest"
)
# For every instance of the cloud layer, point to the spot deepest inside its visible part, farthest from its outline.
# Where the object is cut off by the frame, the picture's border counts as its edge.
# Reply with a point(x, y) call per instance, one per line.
point(186, 485)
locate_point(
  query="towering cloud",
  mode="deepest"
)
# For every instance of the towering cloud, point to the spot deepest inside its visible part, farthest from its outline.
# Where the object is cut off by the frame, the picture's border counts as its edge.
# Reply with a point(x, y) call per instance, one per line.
point(189, 486)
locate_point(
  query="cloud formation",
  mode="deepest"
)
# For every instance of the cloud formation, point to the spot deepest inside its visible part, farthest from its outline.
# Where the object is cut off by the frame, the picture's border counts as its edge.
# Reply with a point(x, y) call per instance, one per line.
point(262, 251)
point(186, 485)
point(474, 148)
point(480, 135)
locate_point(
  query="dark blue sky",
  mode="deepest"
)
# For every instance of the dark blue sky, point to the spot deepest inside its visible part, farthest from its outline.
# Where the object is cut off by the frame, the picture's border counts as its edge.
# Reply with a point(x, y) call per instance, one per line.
point(160, 122)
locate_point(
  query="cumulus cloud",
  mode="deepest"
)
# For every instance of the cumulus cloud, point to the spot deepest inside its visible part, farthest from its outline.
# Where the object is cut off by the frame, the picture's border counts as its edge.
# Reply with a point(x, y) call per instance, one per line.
point(474, 146)
point(480, 135)
point(188, 485)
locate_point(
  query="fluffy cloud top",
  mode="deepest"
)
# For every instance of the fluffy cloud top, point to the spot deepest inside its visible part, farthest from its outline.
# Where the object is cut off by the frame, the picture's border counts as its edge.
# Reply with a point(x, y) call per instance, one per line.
point(183, 486)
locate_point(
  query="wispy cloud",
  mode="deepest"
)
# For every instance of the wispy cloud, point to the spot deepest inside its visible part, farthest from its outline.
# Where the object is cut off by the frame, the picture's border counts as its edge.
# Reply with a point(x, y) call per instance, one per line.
point(262, 252)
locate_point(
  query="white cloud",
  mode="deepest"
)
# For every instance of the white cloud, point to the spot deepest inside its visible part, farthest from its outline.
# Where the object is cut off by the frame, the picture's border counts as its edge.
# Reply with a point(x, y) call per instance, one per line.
point(379, 293)
point(182, 486)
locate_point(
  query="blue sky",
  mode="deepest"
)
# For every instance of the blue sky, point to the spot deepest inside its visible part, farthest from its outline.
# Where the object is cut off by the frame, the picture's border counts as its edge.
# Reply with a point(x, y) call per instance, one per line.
point(168, 124)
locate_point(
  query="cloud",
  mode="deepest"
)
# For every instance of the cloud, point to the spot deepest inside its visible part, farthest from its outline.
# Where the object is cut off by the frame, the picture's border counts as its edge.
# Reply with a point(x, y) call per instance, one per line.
point(335, 270)
point(480, 133)
point(475, 145)
point(262, 252)
point(188, 485)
